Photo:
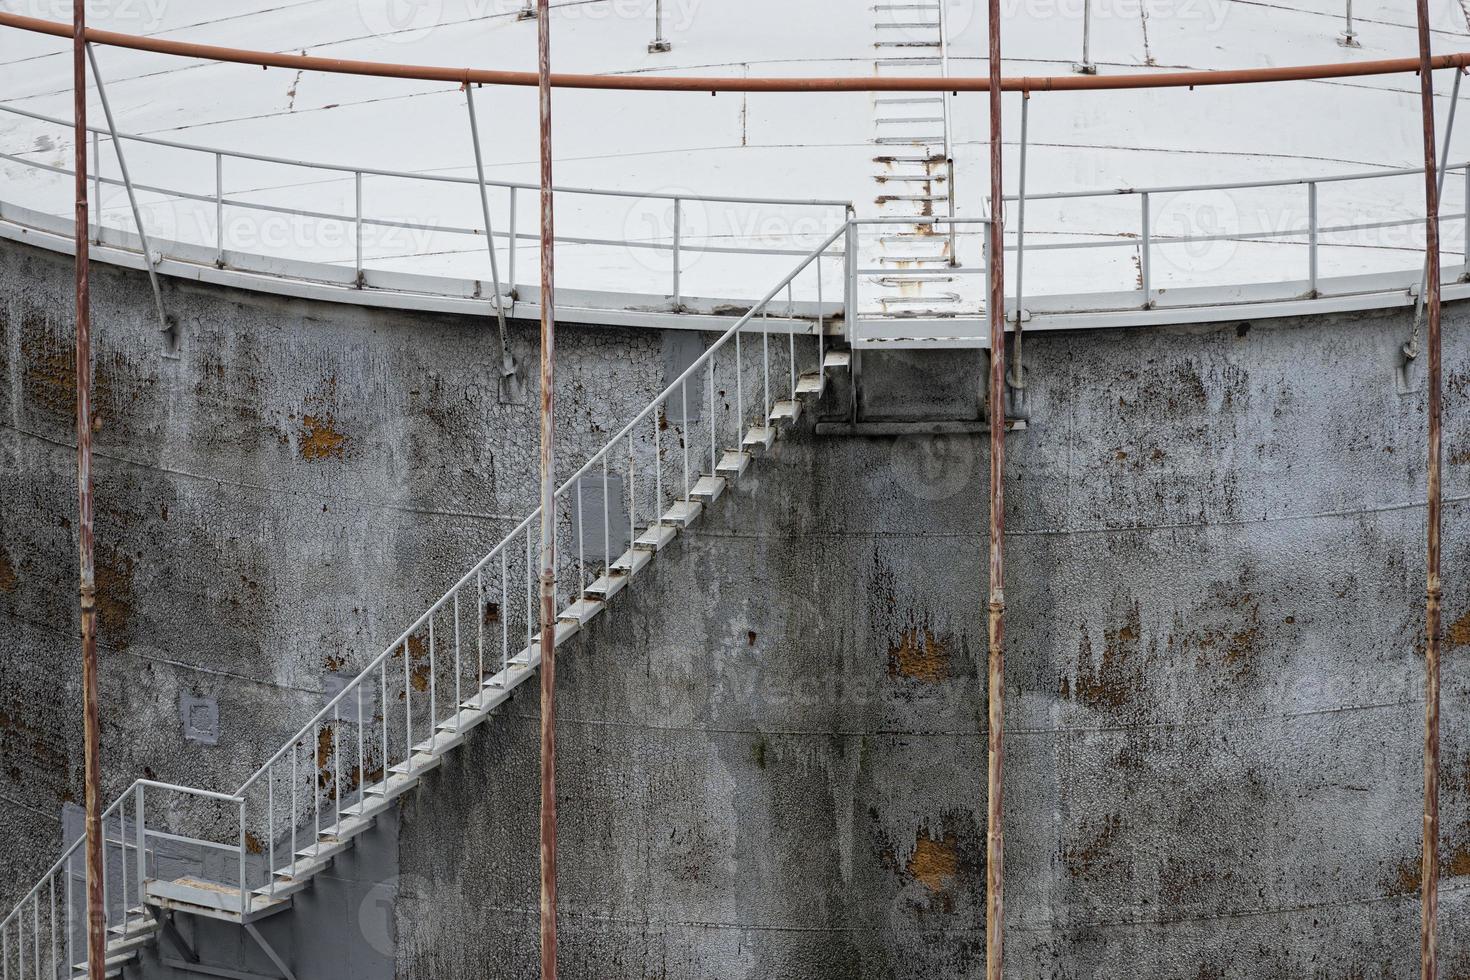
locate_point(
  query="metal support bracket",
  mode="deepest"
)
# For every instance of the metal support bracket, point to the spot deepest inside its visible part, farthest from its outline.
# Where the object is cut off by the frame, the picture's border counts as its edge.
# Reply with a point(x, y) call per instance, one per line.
point(507, 362)
point(171, 930)
point(269, 951)
point(150, 262)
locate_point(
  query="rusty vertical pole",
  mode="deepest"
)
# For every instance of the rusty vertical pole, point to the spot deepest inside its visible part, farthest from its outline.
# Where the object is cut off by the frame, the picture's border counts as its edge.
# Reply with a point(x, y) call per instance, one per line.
point(1429, 878)
point(995, 831)
point(91, 752)
point(548, 510)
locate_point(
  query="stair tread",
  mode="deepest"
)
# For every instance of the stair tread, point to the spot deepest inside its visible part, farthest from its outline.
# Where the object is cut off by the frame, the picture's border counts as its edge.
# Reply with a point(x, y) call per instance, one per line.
point(707, 489)
point(733, 463)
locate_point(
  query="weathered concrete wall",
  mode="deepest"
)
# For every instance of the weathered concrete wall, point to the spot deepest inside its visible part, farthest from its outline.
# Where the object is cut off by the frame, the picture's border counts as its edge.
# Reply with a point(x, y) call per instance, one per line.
point(773, 749)
point(772, 756)
point(272, 507)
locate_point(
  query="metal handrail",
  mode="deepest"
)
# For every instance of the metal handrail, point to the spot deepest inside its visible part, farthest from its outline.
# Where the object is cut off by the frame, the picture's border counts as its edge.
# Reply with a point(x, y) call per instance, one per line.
point(416, 175)
point(753, 388)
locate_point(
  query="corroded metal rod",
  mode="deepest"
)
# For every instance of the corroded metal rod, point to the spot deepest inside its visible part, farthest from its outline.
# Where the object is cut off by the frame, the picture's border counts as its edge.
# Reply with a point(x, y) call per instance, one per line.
point(548, 509)
point(995, 795)
point(692, 83)
point(1429, 876)
point(92, 752)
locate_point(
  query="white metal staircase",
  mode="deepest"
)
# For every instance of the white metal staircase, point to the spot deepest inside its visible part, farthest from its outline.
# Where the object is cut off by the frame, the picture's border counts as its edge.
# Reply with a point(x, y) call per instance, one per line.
point(421, 697)
point(914, 167)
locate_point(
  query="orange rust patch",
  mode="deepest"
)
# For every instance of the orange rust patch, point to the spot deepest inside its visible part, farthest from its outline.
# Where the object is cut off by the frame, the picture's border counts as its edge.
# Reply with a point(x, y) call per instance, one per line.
point(1406, 881)
point(919, 656)
point(319, 439)
point(8, 578)
point(252, 843)
point(1458, 635)
point(1457, 865)
point(934, 863)
point(114, 595)
point(1114, 683)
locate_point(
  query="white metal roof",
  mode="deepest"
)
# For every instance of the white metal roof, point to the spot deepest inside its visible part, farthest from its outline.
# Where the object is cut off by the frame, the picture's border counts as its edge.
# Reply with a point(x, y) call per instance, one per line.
point(760, 145)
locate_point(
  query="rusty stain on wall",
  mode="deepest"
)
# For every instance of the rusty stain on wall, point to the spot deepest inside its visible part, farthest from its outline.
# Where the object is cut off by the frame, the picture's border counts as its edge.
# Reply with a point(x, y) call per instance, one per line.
point(918, 655)
point(1084, 860)
point(1117, 680)
point(1458, 632)
point(935, 861)
point(320, 439)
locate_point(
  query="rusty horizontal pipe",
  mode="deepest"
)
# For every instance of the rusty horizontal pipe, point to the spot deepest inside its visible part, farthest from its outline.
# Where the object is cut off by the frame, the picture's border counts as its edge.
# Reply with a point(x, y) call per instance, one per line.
point(460, 76)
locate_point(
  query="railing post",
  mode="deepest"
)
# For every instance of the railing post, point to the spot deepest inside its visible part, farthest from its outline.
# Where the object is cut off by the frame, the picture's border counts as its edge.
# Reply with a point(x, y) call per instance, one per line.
point(659, 44)
point(140, 817)
point(1017, 378)
point(1312, 239)
point(849, 281)
point(219, 210)
point(678, 236)
point(244, 900)
point(511, 271)
point(357, 223)
point(1349, 37)
point(1145, 250)
point(1085, 66)
point(97, 187)
point(1465, 274)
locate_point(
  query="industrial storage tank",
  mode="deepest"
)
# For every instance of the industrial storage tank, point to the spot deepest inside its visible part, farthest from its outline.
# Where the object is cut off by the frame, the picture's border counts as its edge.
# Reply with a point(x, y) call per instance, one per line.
point(316, 418)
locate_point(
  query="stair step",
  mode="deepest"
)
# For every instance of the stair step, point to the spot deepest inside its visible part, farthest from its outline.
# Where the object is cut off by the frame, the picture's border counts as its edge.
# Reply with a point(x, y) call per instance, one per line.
point(607, 586)
point(583, 611)
point(371, 806)
point(708, 489)
point(136, 921)
point(902, 120)
point(323, 850)
point(633, 561)
point(394, 786)
point(297, 872)
point(112, 966)
point(759, 438)
point(888, 140)
point(837, 359)
point(683, 513)
point(656, 537)
point(284, 886)
point(347, 828)
point(422, 763)
point(809, 383)
point(786, 410)
point(733, 463)
point(894, 25)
